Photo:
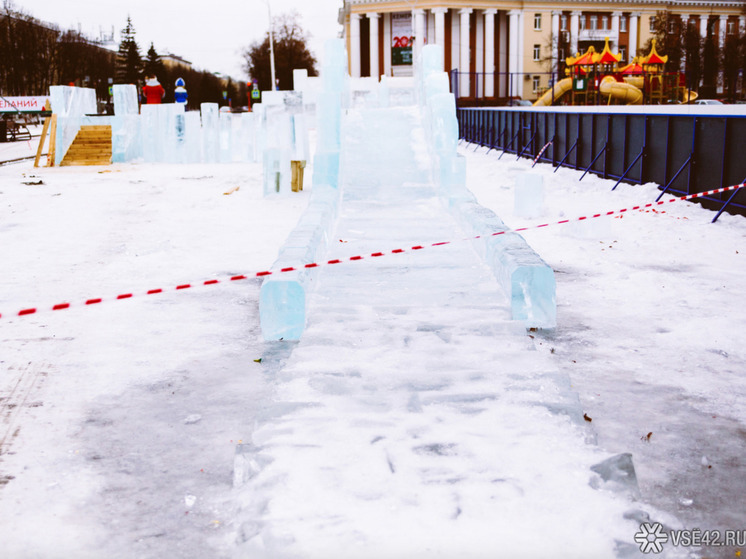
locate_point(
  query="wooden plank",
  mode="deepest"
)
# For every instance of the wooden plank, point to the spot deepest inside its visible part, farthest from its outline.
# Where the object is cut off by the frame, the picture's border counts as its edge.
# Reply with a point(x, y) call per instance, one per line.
point(52, 142)
point(44, 131)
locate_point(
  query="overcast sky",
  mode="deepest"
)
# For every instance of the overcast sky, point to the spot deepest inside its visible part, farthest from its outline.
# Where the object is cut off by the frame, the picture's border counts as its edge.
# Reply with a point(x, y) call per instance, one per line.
point(211, 35)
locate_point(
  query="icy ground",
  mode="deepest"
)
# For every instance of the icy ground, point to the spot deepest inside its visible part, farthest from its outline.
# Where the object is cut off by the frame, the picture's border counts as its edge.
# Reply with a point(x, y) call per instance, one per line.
point(120, 420)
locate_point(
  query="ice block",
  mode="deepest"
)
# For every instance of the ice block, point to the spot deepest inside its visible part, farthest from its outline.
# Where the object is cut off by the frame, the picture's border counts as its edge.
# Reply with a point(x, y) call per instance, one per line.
point(284, 295)
point(528, 198)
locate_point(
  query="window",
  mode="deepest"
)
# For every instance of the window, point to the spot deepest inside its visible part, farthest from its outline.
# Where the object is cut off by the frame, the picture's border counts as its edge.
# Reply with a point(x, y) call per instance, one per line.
point(652, 24)
point(537, 53)
point(594, 23)
point(537, 22)
point(536, 83)
point(581, 23)
point(623, 24)
point(604, 22)
point(623, 52)
point(731, 28)
point(563, 22)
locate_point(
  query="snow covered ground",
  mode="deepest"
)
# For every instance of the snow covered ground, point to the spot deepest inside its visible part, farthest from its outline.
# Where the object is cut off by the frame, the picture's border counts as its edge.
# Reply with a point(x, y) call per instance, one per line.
point(120, 421)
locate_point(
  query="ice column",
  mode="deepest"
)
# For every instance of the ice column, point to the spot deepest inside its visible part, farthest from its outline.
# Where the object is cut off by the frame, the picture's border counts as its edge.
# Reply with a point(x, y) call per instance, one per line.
point(210, 132)
point(522, 274)
point(284, 295)
point(126, 141)
point(329, 114)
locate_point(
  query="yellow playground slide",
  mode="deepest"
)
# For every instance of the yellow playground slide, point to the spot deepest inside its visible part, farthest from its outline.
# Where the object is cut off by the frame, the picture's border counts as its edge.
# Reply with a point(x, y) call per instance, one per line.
point(559, 89)
point(687, 95)
point(620, 91)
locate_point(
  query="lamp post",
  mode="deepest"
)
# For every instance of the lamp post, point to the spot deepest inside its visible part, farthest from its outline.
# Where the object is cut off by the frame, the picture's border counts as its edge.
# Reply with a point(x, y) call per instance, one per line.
point(271, 48)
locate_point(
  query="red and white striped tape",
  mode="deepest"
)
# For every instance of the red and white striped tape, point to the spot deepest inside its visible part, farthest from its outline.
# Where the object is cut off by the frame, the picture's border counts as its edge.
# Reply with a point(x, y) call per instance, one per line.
point(185, 286)
point(541, 152)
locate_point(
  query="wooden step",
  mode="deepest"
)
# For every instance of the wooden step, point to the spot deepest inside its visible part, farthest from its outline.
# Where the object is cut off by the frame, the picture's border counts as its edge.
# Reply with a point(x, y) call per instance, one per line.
point(91, 146)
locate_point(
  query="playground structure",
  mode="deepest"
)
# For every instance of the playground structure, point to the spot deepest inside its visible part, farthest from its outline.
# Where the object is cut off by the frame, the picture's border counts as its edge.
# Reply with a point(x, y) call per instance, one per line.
point(596, 78)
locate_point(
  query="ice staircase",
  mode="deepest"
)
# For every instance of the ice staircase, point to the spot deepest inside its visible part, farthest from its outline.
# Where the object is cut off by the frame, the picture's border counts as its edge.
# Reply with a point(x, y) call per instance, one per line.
point(366, 447)
point(91, 146)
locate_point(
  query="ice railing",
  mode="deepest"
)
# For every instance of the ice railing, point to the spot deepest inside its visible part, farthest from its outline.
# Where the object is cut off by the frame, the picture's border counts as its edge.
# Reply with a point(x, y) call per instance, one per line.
point(524, 277)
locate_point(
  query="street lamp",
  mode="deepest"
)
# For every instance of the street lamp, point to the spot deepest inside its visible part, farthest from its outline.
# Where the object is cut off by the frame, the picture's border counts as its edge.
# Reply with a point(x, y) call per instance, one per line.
point(271, 48)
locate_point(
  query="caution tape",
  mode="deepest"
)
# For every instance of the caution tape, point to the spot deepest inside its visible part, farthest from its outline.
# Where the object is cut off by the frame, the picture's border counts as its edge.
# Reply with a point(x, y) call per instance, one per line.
point(262, 274)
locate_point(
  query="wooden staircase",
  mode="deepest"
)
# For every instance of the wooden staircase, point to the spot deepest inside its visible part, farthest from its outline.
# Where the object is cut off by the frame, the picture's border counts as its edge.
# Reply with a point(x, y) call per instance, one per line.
point(91, 146)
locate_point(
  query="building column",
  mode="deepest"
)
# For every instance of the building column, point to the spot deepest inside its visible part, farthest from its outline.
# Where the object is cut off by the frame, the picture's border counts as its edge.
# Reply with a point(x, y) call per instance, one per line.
point(440, 30)
point(723, 24)
point(375, 69)
point(555, 39)
point(514, 47)
point(703, 26)
point(489, 52)
point(634, 23)
point(464, 67)
point(574, 31)
point(684, 29)
point(355, 45)
point(387, 71)
point(418, 18)
point(614, 39)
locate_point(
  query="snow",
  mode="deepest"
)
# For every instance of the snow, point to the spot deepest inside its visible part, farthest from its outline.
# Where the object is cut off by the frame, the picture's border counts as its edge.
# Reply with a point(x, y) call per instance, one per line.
point(413, 419)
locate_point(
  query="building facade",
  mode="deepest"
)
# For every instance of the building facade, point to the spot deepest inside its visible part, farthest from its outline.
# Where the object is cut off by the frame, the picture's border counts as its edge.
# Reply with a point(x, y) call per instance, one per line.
point(512, 48)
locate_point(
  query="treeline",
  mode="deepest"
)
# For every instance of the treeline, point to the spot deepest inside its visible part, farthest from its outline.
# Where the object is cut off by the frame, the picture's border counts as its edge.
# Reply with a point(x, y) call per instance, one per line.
point(36, 55)
point(706, 64)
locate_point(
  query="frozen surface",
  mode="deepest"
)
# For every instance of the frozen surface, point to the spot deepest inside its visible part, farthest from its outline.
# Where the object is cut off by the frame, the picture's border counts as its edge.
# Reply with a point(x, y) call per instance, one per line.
point(121, 421)
point(368, 436)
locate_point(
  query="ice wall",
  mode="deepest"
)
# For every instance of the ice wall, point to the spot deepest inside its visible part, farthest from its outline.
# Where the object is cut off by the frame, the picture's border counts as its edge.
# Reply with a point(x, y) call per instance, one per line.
point(523, 275)
point(71, 105)
point(329, 114)
point(284, 296)
point(284, 137)
point(126, 138)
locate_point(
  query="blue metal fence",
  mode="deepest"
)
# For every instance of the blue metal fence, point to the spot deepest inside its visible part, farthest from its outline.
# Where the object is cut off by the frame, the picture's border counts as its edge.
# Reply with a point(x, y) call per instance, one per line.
point(684, 153)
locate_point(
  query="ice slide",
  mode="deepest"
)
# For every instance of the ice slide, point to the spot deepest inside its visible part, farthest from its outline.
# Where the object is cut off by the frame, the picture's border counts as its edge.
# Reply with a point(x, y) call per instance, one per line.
point(559, 89)
point(620, 91)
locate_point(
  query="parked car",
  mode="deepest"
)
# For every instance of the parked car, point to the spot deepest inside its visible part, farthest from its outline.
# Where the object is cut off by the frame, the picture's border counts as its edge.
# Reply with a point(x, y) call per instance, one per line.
point(519, 103)
point(707, 102)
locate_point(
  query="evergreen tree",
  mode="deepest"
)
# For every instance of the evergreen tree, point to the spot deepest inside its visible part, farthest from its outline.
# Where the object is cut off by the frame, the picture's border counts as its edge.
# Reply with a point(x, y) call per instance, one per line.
point(291, 53)
point(731, 61)
point(693, 50)
point(710, 63)
point(129, 61)
point(153, 64)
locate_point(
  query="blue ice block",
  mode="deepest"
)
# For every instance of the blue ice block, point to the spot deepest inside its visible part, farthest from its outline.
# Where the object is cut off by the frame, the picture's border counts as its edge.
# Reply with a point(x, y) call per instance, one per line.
point(210, 132)
point(284, 295)
point(528, 195)
point(441, 111)
point(125, 99)
point(326, 168)
point(521, 272)
point(282, 308)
